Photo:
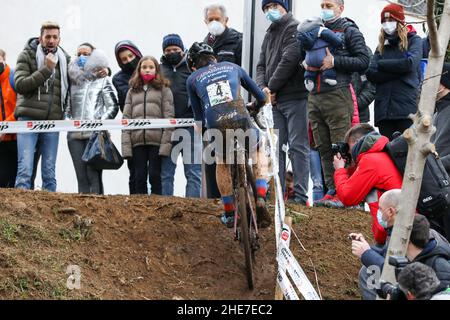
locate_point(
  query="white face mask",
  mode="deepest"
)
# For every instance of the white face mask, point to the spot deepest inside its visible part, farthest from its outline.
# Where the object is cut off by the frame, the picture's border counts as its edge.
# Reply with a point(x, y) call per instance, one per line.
point(390, 27)
point(216, 28)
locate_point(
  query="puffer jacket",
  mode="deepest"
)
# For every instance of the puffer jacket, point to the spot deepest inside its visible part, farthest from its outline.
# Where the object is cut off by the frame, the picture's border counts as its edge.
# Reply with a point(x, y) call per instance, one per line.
point(375, 173)
point(34, 98)
point(8, 99)
point(351, 57)
point(279, 66)
point(442, 136)
point(396, 75)
point(91, 98)
point(148, 103)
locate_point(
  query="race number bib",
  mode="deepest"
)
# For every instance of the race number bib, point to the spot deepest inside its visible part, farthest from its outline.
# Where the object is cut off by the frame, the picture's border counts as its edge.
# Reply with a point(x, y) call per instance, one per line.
point(219, 92)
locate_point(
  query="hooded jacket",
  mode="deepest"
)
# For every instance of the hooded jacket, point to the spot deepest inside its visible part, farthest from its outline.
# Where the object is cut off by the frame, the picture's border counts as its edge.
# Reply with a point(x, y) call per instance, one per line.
point(396, 75)
point(8, 100)
point(227, 46)
point(148, 103)
point(92, 98)
point(34, 98)
point(122, 78)
point(351, 57)
point(178, 76)
point(442, 136)
point(436, 255)
point(375, 173)
point(279, 66)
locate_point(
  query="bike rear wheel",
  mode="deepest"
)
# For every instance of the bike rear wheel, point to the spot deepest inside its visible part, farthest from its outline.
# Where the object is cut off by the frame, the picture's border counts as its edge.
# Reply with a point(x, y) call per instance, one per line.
point(245, 236)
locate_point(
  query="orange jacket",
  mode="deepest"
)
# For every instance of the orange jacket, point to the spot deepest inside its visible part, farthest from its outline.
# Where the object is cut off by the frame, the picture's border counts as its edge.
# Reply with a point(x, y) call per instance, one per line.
point(8, 100)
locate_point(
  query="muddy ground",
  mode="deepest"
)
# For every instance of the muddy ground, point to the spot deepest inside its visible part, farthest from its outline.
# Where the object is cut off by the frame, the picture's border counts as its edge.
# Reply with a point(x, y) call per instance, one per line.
point(151, 247)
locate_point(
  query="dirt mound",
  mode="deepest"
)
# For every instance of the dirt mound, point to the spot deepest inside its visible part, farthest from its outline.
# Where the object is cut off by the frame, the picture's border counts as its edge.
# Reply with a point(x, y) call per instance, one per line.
point(137, 247)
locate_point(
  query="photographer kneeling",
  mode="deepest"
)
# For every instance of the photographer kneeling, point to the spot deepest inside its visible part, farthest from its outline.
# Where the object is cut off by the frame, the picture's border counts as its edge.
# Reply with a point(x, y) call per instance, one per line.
point(370, 174)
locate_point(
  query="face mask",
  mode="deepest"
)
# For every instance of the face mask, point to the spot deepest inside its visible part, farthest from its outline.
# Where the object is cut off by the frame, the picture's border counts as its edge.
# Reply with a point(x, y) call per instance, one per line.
point(49, 50)
point(148, 77)
point(380, 220)
point(327, 14)
point(273, 15)
point(216, 28)
point(2, 67)
point(131, 66)
point(82, 61)
point(390, 27)
point(174, 58)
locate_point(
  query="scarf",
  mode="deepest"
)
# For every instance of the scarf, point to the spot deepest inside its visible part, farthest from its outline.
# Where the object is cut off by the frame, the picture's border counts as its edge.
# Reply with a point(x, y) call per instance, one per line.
point(61, 58)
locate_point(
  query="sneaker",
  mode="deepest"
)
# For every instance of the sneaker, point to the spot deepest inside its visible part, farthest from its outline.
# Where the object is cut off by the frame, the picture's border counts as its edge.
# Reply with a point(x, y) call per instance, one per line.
point(330, 82)
point(262, 214)
point(321, 202)
point(329, 201)
point(227, 219)
point(309, 85)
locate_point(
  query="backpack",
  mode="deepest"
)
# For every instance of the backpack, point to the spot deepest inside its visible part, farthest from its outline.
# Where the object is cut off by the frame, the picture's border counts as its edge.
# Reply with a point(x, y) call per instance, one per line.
point(434, 197)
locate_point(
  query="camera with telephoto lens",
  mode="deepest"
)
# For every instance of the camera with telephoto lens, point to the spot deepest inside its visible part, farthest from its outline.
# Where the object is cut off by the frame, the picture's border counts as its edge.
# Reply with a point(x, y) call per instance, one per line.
point(343, 149)
point(387, 288)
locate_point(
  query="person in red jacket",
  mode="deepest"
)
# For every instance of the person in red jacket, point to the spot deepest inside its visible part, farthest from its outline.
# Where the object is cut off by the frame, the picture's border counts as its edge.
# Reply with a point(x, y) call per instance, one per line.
point(8, 143)
point(372, 173)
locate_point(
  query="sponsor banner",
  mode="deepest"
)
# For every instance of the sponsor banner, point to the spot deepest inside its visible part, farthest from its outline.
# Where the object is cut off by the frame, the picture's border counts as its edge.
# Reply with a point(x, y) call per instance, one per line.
point(91, 125)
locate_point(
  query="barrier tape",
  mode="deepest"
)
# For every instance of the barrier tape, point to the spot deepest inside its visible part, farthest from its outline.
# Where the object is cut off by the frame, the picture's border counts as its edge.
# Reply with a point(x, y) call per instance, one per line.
point(285, 258)
point(8, 127)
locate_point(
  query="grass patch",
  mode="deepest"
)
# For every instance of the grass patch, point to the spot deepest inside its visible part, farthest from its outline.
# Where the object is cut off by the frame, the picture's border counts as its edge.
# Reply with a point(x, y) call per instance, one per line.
point(8, 231)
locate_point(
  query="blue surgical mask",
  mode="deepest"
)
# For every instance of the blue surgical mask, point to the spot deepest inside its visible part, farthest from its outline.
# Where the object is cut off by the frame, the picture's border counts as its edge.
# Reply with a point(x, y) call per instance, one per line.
point(382, 223)
point(273, 15)
point(82, 61)
point(327, 14)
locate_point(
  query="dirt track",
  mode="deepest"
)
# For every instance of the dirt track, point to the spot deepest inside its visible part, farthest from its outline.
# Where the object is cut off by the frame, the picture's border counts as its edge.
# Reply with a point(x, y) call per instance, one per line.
point(157, 248)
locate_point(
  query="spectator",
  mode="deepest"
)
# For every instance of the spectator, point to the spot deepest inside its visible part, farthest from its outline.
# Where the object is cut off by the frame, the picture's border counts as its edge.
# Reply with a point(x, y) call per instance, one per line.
point(331, 108)
point(8, 143)
point(433, 251)
point(418, 281)
point(149, 98)
point(441, 140)
point(395, 69)
point(316, 168)
point(42, 85)
point(175, 69)
point(226, 42)
point(127, 56)
point(364, 91)
point(373, 173)
point(227, 45)
point(93, 97)
point(279, 74)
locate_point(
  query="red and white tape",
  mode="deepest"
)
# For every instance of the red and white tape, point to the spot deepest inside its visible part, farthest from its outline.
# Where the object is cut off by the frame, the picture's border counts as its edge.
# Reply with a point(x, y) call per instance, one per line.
point(91, 125)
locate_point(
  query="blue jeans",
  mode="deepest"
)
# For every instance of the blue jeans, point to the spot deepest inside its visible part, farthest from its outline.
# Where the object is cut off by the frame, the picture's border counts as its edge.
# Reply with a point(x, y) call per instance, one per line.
point(191, 152)
point(316, 174)
point(26, 148)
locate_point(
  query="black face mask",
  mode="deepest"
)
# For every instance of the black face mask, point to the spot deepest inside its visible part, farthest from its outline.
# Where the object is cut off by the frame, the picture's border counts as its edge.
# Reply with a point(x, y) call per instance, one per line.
point(131, 66)
point(174, 58)
point(48, 50)
point(2, 67)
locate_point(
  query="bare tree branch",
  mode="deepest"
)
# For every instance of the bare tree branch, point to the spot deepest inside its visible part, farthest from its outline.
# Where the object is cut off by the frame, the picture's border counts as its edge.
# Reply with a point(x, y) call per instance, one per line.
point(432, 27)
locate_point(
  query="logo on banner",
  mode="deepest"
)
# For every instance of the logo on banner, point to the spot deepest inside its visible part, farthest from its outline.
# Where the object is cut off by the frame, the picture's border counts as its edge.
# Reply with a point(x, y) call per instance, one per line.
point(87, 125)
point(124, 122)
point(137, 124)
point(184, 122)
point(173, 121)
point(3, 127)
point(40, 126)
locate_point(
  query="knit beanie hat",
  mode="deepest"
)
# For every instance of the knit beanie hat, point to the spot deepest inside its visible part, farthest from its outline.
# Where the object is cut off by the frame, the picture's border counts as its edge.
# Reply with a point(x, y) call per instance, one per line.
point(394, 11)
point(283, 3)
point(172, 40)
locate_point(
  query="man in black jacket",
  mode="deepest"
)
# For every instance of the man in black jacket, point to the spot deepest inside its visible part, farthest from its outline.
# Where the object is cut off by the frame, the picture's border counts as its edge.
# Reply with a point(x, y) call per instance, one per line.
point(128, 56)
point(441, 138)
point(279, 74)
point(331, 108)
point(175, 68)
point(434, 252)
point(226, 42)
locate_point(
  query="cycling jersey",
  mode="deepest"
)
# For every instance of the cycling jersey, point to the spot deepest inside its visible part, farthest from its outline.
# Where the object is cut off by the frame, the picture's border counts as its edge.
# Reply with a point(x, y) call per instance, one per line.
point(215, 85)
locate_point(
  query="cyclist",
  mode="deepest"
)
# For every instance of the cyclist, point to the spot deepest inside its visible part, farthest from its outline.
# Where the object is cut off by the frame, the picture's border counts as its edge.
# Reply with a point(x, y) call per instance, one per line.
point(214, 92)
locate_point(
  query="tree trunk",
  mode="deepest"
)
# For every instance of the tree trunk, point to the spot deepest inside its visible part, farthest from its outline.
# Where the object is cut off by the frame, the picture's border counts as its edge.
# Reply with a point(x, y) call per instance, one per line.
point(418, 137)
